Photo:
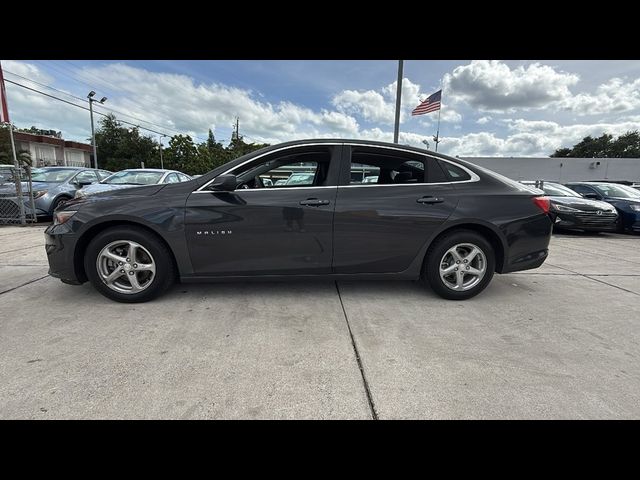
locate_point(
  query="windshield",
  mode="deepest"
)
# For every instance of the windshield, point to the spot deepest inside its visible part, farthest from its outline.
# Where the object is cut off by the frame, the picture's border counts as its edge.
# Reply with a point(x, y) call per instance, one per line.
point(134, 177)
point(556, 190)
point(54, 175)
point(300, 178)
point(620, 191)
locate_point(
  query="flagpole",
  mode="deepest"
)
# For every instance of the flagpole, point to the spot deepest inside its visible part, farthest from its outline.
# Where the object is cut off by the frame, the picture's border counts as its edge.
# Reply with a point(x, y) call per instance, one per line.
point(396, 128)
point(437, 139)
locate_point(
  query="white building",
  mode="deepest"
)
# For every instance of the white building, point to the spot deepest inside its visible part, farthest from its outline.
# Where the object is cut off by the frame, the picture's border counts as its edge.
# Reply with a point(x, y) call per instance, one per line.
point(50, 150)
point(562, 169)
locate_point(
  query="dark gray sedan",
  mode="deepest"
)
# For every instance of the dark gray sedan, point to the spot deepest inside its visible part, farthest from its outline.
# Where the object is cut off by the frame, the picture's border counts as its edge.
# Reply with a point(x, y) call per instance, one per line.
point(53, 185)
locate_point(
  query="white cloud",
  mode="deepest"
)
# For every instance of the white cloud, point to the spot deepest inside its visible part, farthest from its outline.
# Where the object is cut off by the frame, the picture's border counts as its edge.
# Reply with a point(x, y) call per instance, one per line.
point(379, 106)
point(530, 138)
point(484, 120)
point(614, 96)
point(493, 86)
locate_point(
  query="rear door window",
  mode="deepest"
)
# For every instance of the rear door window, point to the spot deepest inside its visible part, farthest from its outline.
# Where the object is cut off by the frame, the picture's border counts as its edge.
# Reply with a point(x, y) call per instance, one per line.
point(372, 166)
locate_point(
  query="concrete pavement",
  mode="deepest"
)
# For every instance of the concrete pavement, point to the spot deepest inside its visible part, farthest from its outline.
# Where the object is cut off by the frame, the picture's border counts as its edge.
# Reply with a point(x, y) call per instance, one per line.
point(561, 341)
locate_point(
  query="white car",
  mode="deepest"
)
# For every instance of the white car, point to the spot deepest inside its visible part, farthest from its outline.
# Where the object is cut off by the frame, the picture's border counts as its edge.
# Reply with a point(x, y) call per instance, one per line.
point(133, 177)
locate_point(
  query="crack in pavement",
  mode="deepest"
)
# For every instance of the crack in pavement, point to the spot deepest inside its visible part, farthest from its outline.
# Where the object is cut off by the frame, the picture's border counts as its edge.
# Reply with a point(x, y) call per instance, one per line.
point(372, 407)
point(599, 253)
point(23, 248)
point(22, 285)
point(591, 277)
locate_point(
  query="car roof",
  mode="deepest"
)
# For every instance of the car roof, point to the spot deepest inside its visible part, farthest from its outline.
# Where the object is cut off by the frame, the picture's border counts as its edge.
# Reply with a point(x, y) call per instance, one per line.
point(148, 170)
point(62, 167)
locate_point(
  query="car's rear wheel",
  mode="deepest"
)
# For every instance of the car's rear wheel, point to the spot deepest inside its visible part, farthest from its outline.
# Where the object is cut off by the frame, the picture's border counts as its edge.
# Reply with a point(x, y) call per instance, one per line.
point(129, 264)
point(459, 265)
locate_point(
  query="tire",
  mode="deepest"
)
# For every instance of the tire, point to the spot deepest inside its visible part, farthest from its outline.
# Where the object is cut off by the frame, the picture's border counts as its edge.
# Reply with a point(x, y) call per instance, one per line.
point(439, 255)
point(56, 203)
point(152, 267)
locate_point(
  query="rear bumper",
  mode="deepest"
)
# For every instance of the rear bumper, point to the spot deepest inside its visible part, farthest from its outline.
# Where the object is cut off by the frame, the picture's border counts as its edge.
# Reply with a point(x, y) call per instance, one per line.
point(528, 243)
point(527, 262)
point(60, 246)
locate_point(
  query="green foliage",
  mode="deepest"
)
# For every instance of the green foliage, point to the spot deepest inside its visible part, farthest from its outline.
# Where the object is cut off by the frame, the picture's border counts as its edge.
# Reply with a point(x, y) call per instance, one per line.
point(6, 155)
point(625, 146)
point(120, 148)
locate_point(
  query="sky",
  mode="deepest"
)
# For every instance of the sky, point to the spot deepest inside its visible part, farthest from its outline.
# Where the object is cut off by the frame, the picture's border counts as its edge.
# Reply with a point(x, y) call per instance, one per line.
point(489, 107)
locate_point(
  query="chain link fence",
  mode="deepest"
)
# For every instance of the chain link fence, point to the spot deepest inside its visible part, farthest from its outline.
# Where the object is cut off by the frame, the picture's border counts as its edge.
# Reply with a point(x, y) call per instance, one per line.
point(16, 195)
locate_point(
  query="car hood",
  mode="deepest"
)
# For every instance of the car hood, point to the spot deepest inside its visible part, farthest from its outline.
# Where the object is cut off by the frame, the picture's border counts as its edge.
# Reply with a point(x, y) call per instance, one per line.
point(584, 204)
point(121, 190)
point(9, 187)
point(110, 187)
point(622, 202)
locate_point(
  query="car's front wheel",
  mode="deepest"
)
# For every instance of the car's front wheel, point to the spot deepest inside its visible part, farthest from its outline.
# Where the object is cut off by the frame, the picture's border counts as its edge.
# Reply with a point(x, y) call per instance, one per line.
point(460, 264)
point(129, 264)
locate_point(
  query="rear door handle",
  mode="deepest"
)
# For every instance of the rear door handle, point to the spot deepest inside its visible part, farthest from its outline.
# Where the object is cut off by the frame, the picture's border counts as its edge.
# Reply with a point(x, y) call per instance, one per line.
point(430, 200)
point(314, 202)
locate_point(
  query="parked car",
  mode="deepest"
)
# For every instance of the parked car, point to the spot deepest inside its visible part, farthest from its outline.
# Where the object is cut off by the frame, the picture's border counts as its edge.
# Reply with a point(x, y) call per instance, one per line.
point(626, 200)
point(7, 173)
point(52, 186)
point(300, 179)
point(428, 216)
point(134, 177)
point(571, 211)
point(280, 182)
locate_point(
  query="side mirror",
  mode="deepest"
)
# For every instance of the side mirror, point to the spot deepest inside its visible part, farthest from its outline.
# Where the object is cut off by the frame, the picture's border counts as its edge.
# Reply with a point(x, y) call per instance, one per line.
point(225, 183)
point(592, 196)
point(84, 183)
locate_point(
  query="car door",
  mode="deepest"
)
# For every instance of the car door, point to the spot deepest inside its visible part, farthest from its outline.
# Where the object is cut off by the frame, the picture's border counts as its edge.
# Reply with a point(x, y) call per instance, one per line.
point(380, 224)
point(85, 177)
point(261, 230)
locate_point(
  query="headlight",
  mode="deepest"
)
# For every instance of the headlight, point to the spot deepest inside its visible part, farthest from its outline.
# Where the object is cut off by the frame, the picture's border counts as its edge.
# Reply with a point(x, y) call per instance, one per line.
point(63, 217)
point(635, 207)
point(39, 193)
point(564, 208)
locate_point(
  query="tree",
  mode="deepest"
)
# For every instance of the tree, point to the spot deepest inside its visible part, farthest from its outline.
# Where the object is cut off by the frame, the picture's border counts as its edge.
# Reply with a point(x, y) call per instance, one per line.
point(182, 154)
point(625, 146)
point(6, 153)
point(120, 147)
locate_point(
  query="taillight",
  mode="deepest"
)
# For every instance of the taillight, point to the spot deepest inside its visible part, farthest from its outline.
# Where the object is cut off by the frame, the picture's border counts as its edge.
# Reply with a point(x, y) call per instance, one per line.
point(543, 202)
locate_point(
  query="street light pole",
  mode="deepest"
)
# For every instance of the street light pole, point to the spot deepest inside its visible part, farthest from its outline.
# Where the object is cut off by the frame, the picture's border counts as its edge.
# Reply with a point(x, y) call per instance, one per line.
point(93, 132)
point(396, 128)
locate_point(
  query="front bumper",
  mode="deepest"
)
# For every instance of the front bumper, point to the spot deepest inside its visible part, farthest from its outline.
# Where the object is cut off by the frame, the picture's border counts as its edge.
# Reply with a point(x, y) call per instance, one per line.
point(631, 221)
point(60, 244)
point(588, 221)
point(12, 205)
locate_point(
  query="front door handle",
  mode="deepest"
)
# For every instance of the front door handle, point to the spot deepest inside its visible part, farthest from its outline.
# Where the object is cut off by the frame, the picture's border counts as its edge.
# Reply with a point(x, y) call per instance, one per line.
point(430, 200)
point(314, 202)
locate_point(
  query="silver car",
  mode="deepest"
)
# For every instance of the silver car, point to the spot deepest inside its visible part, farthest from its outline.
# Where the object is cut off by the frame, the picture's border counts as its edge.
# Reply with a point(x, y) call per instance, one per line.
point(132, 178)
point(52, 186)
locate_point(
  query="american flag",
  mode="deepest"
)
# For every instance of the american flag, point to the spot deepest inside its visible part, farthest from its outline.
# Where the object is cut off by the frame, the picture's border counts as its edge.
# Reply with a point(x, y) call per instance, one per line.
point(4, 110)
point(431, 104)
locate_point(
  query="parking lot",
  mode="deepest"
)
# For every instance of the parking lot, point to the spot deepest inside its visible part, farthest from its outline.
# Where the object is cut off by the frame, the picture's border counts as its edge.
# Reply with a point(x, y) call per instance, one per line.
point(561, 341)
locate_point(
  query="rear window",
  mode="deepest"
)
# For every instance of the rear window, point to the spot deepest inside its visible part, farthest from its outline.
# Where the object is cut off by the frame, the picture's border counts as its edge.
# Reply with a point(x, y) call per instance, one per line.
point(455, 173)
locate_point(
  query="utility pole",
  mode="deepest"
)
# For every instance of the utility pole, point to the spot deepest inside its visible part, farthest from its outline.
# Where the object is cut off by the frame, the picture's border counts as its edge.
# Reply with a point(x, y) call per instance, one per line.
point(93, 132)
point(161, 162)
point(396, 130)
point(236, 134)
